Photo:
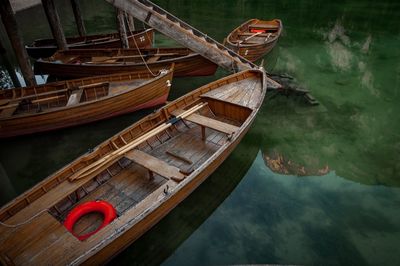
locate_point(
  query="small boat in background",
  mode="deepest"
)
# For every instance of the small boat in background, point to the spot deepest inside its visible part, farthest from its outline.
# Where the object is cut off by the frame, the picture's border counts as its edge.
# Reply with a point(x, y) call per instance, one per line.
point(143, 172)
point(74, 102)
point(85, 62)
point(254, 38)
point(46, 47)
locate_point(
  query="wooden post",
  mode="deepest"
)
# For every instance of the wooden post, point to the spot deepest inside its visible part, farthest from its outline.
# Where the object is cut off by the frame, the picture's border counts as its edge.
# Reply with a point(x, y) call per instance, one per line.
point(130, 22)
point(78, 17)
point(10, 23)
point(55, 24)
point(122, 28)
point(8, 66)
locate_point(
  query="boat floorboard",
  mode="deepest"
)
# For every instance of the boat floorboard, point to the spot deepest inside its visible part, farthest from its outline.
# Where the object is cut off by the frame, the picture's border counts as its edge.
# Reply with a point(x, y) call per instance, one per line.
point(245, 93)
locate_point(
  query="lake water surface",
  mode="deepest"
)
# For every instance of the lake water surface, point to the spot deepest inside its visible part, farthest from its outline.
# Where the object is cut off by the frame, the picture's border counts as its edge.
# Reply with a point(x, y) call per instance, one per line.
point(334, 197)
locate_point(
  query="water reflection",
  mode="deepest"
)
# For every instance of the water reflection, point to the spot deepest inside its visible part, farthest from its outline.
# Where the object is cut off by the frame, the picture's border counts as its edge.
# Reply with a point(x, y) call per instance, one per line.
point(289, 220)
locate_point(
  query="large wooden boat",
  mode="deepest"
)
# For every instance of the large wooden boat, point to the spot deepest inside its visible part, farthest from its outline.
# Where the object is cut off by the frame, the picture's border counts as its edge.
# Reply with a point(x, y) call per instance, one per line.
point(69, 103)
point(143, 171)
point(43, 48)
point(254, 38)
point(83, 63)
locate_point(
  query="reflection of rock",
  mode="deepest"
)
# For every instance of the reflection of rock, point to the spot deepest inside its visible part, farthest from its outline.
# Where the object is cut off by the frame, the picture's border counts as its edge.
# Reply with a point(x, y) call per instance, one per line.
point(279, 164)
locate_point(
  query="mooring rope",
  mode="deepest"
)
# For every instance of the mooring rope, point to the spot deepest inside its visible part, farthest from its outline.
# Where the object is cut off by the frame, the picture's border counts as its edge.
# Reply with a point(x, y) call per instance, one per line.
point(144, 61)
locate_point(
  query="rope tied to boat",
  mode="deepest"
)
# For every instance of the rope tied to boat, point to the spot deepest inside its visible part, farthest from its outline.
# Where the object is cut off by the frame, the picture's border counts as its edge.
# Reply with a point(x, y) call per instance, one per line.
point(144, 61)
point(25, 222)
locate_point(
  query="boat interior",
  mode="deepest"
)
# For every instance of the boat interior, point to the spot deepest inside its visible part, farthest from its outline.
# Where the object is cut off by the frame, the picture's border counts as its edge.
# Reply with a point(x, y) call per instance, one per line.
point(256, 32)
point(160, 162)
point(113, 56)
point(170, 145)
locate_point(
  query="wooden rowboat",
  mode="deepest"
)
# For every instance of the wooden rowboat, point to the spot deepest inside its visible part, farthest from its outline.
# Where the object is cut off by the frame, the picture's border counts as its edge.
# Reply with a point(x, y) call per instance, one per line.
point(143, 171)
point(69, 103)
point(254, 38)
point(46, 47)
point(83, 63)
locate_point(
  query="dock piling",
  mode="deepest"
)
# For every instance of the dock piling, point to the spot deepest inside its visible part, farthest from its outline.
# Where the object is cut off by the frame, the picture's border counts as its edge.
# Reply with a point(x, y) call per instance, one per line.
point(122, 28)
point(10, 24)
point(55, 24)
point(78, 17)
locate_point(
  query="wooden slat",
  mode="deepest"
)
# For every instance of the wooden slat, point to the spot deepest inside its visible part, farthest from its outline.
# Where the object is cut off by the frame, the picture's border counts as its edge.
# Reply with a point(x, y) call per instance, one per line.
point(75, 97)
point(264, 26)
point(250, 34)
point(210, 123)
point(155, 165)
point(48, 99)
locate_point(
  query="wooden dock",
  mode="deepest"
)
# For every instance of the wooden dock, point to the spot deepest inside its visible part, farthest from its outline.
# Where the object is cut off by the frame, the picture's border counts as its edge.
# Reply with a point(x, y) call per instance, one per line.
point(183, 33)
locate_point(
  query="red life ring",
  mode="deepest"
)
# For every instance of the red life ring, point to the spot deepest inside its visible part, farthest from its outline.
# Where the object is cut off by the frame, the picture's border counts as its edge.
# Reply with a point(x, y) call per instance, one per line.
point(101, 206)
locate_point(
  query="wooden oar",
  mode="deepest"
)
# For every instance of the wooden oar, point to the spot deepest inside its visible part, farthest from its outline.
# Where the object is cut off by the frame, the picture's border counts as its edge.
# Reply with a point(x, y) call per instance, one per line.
point(101, 164)
point(248, 38)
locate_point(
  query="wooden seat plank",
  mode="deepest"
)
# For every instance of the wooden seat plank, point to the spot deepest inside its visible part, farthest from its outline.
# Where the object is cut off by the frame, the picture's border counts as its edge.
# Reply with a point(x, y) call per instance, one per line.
point(155, 165)
point(250, 34)
point(48, 99)
point(209, 122)
point(264, 26)
point(75, 97)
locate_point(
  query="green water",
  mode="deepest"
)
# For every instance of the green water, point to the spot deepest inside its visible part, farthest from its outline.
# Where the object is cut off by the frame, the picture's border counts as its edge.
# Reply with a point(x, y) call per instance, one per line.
point(347, 53)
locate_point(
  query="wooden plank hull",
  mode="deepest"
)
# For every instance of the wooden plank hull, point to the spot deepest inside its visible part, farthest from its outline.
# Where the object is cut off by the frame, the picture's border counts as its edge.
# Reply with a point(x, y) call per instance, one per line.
point(152, 93)
point(233, 101)
point(46, 47)
point(257, 45)
point(186, 63)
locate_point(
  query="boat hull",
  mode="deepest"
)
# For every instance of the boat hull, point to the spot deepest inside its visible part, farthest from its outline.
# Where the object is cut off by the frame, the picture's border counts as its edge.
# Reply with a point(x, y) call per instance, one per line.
point(149, 95)
point(252, 52)
point(46, 47)
point(187, 66)
point(227, 107)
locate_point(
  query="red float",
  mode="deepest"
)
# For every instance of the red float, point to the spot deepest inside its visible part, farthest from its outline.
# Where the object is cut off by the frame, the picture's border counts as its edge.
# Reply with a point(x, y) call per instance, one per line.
point(100, 206)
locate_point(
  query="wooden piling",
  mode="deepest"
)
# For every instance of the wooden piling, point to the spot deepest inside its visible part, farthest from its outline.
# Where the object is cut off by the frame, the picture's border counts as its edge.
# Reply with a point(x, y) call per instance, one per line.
point(130, 22)
point(10, 23)
point(55, 24)
point(78, 17)
point(122, 28)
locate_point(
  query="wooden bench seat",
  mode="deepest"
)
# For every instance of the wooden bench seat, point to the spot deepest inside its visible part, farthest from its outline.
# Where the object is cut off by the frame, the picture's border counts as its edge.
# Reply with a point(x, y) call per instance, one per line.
point(75, 97)
point(155, 165)
point(251, 34)
point(48, 99)
point(205, 121)
point(264, 26)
